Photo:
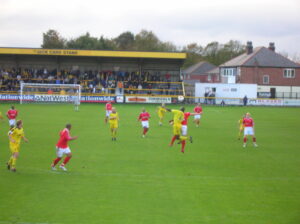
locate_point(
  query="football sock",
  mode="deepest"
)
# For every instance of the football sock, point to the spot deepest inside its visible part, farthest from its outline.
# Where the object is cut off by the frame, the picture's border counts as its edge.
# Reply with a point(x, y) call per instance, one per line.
point(13, 162)
point(66, 160)
point(245, 139)
point(55, 161)
point(182, 145)
point(183, 138)
point(173, 140)
point(10, 160)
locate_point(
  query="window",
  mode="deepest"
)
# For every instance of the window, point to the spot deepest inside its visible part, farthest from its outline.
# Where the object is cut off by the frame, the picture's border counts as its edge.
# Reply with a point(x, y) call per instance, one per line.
point(266, 79)
point(228, 72)
point(289, 73)
point(209, 78)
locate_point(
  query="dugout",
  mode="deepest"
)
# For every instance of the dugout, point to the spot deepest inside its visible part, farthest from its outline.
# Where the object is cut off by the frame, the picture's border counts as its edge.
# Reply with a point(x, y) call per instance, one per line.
point(95, 60)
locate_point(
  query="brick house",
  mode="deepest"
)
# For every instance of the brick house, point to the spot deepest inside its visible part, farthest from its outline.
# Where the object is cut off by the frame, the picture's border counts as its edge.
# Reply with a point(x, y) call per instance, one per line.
point(199, 73)
point(271, 71)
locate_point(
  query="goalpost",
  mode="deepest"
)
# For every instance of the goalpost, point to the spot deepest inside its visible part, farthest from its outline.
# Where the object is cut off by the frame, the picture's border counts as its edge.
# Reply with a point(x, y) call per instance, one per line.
point(50, 93)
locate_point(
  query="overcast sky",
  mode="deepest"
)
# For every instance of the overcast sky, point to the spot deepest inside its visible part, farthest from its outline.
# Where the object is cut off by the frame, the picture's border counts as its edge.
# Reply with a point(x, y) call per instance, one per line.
point(22, 22)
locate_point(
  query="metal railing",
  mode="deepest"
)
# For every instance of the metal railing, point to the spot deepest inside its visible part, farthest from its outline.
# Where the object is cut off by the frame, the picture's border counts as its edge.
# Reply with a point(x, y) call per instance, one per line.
point(288, 95)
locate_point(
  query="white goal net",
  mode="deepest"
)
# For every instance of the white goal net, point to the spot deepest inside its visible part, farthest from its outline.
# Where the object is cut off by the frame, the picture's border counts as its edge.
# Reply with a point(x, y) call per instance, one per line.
point(50, 93)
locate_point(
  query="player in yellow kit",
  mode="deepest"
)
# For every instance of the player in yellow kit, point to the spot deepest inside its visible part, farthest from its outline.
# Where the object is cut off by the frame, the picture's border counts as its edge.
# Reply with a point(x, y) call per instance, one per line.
point(178, 117)
point(15, 135)
point(241, 127)
point(113, 123)
point(161, 110)
point(1, 117)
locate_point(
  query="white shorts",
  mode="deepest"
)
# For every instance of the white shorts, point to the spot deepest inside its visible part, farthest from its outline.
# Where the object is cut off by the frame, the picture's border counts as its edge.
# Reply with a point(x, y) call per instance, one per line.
point(145, 124)
point(248, 131)
point(108, 112)
point(60, 152)
point(12, 122)
point(184, 130)
point(198, 116)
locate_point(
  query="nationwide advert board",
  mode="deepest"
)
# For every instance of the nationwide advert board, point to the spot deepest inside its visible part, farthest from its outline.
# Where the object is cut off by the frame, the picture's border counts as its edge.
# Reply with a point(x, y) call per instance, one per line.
point(56, 98)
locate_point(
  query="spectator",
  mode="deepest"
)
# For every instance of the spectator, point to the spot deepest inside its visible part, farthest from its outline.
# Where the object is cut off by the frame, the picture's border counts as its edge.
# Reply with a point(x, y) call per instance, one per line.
point(205, 96)
point(140, 87)
point(91, 80)
point(245, 100)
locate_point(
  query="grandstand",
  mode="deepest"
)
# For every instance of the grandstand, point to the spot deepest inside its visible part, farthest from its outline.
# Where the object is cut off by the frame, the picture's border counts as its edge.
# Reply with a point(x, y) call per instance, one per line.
point(98, 72)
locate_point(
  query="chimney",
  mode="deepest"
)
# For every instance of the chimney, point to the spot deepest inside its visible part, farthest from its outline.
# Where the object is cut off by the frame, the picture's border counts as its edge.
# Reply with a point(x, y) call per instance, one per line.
point(272, 46)
point(249, 47)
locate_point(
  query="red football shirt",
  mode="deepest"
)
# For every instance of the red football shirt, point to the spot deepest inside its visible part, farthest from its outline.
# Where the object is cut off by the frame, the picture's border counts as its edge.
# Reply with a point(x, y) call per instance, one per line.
point(186, 117)
point(248, 122)
point(12, 114)
point(108, 106)
point(63, 139)
point(144, 116)
point(198, 110)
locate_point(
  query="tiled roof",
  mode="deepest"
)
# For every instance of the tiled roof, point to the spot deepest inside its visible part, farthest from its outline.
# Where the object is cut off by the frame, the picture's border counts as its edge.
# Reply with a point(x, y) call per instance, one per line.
point(261, 57)
point(214, 71)
point(199, 69)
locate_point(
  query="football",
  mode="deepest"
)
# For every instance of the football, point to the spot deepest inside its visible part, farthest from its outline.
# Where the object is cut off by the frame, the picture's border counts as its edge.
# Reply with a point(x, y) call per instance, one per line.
point(180, 98)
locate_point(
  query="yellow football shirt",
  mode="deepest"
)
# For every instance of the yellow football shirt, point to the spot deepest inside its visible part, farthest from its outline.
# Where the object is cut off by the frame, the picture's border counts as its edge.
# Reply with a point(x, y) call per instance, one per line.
point(241, 121)
point(16, 134)
point(162, 110)
point(113, 118)
point(178, 116)
point(241, 124)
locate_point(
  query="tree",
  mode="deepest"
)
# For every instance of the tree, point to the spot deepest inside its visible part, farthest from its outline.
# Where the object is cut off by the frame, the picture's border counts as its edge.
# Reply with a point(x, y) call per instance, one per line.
point(106, 44)
point(168, 46)
point(90, 43)
point(125, 41)
point(217, 54)
point(52, 39)
point(213, 52)
point(230, 50)
point(83, 42)
point(146, 41)
point(194, 54)
point(194, 48)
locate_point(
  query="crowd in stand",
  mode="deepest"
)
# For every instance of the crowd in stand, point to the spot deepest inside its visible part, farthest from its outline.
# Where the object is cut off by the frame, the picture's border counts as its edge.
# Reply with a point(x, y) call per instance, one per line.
point(91, 81)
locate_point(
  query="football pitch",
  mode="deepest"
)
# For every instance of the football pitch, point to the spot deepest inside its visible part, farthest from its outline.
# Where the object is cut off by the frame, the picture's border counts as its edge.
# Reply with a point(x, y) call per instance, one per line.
point(142, 180)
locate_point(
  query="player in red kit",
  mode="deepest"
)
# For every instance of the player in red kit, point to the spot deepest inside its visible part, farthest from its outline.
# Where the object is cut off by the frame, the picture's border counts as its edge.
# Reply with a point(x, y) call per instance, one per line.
point(197, 116)
point(62, 148)
point(248, 129)
point(184, 128)
point(108, 108)
point(12, 115)
point(144, 119)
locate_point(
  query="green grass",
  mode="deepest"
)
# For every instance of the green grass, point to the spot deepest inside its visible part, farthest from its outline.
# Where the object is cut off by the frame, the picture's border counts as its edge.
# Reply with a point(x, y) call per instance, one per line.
point(136, 180)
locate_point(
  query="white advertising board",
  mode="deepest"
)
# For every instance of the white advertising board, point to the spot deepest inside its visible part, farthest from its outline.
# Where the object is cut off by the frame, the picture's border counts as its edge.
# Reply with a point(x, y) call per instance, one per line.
point(265, 102)
point(120, 99)
point(291, 102)
point(226, 90)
